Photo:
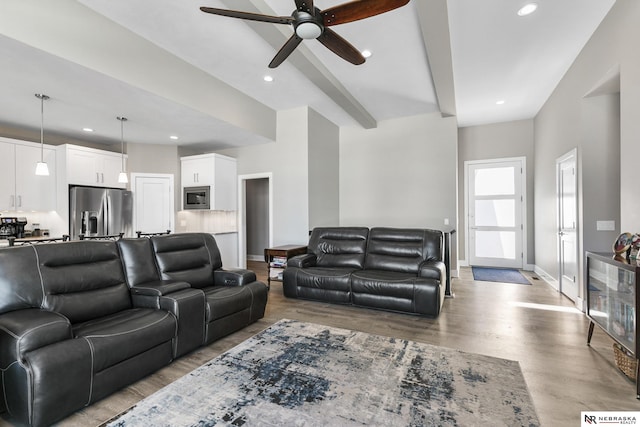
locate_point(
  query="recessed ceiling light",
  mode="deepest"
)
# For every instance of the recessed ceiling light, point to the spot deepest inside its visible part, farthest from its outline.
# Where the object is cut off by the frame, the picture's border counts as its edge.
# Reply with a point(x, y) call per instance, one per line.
point(527, 9)
point(268, 78)
point(173, 137)
point(500, 102)
point(87, 129)
point(366, 53)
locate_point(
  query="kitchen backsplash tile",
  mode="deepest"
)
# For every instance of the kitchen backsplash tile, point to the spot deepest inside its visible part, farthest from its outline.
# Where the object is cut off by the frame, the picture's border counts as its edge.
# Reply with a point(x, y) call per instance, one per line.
point(206, 221)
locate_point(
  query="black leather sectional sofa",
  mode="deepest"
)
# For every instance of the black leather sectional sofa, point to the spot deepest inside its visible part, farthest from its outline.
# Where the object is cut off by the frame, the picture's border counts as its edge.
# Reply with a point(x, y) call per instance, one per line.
point(384, 268)
point(79, 320)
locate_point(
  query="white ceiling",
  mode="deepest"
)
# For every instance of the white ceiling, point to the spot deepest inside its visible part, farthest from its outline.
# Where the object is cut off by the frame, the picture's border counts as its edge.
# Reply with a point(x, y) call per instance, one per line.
point(173, 70)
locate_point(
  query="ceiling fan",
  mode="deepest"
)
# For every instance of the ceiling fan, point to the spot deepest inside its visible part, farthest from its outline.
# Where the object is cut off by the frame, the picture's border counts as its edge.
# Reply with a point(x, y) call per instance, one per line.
point(309, 22)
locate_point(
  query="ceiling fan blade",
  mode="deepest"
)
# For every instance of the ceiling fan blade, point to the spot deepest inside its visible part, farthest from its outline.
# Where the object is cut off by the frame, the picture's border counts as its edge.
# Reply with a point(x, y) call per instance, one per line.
point(340, 47)
point(285, 51)
point(359, 9)
point(248, 15)
point(306, 6)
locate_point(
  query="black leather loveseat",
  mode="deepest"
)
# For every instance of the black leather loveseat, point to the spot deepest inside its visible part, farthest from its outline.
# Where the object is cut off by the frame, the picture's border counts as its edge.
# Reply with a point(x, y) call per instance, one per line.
point(79, 320)
point(385, 268)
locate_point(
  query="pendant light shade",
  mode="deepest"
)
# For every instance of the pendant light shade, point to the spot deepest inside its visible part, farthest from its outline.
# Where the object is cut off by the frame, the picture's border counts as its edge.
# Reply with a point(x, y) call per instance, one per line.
point(122, 177)
point(42, 168)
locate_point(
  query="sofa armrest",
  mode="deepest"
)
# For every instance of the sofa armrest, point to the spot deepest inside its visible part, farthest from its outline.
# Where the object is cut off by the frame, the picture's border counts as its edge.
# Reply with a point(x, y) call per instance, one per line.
point(433, 270)
point(302, 261)
point(233, 277)
point(22, 331)
point(158, 288)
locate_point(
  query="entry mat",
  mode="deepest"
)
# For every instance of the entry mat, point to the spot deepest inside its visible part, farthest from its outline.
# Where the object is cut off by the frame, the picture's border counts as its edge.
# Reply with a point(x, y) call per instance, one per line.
point(304, 374)
point(504, 275)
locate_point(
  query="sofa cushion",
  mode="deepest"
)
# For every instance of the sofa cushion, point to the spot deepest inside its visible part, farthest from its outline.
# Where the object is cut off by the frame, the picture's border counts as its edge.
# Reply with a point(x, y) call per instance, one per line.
point(190, 257)
point(338, 279)
point(223, 301)
point(125, 334)
point(318, 283)
point(139, 263)
point(20, 284)
point(82, 280)
point(396, 291)
point(339, 246)
point(402, 250)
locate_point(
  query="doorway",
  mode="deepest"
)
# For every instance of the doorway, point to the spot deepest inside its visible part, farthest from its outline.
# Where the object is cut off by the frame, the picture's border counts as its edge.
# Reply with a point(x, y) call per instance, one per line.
point(255, 231)
point(567, 202)
point(495, 194)
point(153, 197)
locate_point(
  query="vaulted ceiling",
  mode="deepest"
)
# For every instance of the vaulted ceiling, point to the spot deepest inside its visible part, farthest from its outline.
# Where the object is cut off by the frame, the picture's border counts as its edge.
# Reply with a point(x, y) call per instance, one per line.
point(175, 71)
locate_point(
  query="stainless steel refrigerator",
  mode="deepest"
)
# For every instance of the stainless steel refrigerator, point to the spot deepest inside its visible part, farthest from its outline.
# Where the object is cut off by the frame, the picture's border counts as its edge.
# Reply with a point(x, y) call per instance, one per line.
point(100, 212)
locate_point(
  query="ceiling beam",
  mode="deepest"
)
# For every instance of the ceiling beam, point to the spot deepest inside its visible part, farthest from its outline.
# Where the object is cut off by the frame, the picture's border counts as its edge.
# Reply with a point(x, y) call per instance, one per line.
point(433, 17)
point(74, 32)
point(305, 61)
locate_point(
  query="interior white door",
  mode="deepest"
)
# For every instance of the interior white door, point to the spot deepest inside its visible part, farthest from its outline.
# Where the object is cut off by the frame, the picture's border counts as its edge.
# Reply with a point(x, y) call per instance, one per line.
point(567, 225)
point(495, 213)
point(153, 202)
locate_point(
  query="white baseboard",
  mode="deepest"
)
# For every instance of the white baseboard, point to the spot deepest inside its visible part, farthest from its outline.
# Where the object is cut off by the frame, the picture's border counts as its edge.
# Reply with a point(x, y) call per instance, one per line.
point(546, 277)
point(255, 257)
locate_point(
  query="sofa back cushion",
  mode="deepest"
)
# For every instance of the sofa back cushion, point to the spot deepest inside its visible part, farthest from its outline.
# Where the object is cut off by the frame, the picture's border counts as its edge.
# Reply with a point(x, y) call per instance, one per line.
point(82, 280)
point(188, 257)
point(20, 285)
point(138, 261)
point(339, 246)
point(402, 249)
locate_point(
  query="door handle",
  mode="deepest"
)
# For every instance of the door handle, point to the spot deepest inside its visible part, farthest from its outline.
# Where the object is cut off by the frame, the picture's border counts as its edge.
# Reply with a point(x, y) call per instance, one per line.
point(13, 201)
point(560, 233)
point(19, 201)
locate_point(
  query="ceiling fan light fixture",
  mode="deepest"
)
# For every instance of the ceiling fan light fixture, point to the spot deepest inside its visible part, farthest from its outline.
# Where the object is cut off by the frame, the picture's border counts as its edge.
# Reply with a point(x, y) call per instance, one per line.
point(527, 9)
point(308, 30)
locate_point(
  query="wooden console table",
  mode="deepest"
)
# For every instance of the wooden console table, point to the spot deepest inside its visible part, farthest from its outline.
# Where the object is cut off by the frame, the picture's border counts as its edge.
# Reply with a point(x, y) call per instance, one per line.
point(284, 252)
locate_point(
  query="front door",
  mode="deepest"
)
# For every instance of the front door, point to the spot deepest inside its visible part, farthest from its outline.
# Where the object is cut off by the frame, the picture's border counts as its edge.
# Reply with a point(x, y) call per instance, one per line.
point(567, 225)
point(495, 208)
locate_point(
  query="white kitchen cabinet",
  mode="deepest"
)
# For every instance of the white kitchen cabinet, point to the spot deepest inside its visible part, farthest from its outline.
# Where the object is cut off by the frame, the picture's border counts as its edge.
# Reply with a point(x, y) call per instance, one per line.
point(7, 177)
point(215, 171)
point(98, 168)
point(197, 171)
point(20, 188)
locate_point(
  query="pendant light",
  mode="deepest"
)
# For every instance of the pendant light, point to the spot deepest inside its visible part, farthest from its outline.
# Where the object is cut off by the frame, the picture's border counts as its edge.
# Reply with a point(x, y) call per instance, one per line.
point(122, 177)
point(41, 167)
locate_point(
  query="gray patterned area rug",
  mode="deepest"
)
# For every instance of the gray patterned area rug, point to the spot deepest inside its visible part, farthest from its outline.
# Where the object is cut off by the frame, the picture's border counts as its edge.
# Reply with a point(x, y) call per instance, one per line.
point(303, 374)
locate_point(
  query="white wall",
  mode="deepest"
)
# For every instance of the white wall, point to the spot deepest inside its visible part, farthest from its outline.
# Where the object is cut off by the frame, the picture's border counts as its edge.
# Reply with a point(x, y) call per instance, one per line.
point(287, 160)
point(494, 141)
point(571, 119)
point(401, 174)
point(324, 172)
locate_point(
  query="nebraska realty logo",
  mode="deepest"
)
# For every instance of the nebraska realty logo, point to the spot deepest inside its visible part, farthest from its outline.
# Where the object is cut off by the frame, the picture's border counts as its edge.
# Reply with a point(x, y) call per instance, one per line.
point(610, 418)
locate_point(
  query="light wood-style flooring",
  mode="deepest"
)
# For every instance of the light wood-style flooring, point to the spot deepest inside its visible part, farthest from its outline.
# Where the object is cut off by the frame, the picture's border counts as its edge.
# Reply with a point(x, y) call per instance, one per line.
point(531, 324)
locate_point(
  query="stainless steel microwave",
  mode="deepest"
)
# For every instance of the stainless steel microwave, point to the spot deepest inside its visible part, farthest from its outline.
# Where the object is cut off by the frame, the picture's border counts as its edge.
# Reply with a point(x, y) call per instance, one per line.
point(196, 197)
